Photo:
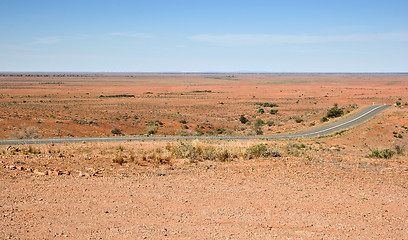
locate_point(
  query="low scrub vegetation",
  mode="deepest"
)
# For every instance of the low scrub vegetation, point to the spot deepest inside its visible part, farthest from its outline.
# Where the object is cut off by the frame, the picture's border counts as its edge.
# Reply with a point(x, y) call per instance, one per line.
point(243, 119)
point(261, 150)
point(195, 151)
point(116, 131)
point(385, 153)
point(399, 148)
point(324, 119)
point(117, 96)
point(266, 104)
point(258, 126)
point(261, 110)
point(335, 111)
point(26, 133)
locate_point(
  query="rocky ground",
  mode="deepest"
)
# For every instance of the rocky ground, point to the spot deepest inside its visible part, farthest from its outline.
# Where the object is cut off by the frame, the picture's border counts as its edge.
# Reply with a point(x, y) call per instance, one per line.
point(330, 197)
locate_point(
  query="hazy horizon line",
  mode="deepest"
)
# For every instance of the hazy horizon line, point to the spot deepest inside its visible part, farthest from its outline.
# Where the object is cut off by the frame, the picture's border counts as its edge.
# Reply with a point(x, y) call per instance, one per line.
point(202, 72)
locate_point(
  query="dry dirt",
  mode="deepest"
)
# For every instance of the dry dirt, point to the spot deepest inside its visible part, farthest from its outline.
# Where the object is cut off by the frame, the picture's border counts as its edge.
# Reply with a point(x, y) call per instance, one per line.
point(210, 104)
point(322, 188)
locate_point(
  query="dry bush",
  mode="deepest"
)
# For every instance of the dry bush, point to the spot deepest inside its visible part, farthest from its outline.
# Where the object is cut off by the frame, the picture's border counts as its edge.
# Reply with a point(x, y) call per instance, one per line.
point(399, 147)
point(261, 150)
point(29, 132)
point(118, 159)
point(194, 151)
point(158, 156)
point(385, 153)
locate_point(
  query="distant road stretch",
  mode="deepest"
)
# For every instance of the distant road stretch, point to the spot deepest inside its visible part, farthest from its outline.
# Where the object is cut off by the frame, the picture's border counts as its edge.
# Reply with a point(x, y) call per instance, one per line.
point(349, 122)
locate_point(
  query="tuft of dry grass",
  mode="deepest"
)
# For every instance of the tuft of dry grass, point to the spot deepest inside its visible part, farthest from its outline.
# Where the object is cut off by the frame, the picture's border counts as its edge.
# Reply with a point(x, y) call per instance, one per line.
point(26, 133)
point(118, 159)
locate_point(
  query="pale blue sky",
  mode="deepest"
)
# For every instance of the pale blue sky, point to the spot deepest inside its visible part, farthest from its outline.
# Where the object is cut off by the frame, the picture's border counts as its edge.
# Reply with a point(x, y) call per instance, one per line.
point(204, 35)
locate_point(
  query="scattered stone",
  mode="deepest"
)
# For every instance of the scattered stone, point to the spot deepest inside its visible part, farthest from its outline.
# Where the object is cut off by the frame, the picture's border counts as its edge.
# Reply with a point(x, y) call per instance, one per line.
point(41, 173)
point(56, 172)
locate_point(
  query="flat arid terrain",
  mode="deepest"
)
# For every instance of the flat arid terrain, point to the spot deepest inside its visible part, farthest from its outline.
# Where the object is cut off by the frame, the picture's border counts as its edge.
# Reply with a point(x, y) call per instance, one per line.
point(350, 184)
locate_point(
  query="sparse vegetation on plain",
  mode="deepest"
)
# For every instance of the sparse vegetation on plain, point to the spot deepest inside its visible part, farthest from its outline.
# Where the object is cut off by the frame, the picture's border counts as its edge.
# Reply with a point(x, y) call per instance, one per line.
point(118, 96)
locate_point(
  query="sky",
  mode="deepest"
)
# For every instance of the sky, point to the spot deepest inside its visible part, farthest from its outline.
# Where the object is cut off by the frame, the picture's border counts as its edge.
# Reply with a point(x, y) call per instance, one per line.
point(204, 36)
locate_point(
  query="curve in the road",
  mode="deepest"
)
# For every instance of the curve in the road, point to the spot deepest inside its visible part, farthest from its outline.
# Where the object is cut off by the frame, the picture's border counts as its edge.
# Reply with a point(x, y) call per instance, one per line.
point(349, 122)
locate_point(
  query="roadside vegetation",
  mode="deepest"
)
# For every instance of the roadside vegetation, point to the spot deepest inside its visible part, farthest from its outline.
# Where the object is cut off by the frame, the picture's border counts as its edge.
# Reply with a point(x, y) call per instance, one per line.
point(335, 112)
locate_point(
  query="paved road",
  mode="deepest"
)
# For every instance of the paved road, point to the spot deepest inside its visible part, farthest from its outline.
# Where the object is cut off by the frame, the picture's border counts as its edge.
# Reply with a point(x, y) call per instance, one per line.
point(351, 121)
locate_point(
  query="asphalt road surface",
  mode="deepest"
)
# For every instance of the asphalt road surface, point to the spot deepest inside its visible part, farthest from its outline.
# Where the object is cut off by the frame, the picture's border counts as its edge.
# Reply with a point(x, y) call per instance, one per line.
point(345, 123)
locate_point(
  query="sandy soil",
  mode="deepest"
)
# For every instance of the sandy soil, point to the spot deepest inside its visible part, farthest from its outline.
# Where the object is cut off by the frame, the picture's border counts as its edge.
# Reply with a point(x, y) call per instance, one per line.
point(210, 104)
point(257, 199)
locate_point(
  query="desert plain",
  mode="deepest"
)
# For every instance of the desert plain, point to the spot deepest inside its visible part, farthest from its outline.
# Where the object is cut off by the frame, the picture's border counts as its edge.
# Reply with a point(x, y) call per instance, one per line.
point(351, 184)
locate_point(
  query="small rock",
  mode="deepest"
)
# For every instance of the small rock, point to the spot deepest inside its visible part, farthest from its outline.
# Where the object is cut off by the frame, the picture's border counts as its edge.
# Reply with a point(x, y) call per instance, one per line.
point(21, 168)
point(29, 170)
point(12, 167)
point(94, 173)
point(41, 172)
point(56, 172)
point(81, 174)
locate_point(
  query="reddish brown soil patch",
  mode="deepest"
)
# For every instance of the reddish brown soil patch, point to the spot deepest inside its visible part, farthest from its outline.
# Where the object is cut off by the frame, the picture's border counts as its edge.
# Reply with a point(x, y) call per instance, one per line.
point(210, 104)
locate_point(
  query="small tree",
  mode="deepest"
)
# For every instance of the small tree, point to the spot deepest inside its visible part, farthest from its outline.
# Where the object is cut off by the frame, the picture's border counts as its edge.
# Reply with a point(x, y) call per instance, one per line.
point(334, 112)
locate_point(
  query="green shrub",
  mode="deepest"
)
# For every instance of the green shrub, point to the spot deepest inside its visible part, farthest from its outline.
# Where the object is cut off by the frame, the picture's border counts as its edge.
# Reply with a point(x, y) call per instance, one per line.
point(261, 110)
point(334, 112)
point(243, 119)
point(324, 119)
point(116, 131)
point(269, 104)
point(298, 120)
point(385, 153)
point(273, 111)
